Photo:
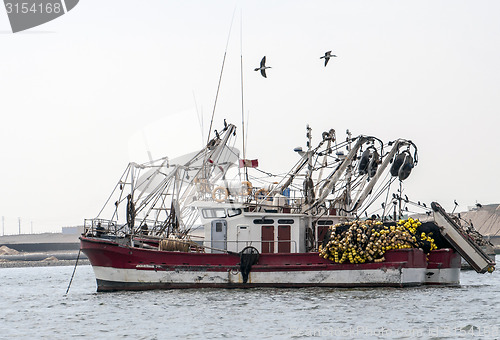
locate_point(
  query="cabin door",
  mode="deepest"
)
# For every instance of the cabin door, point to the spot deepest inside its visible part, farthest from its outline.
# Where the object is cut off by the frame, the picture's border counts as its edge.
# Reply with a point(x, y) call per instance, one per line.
point(219, 235)
point(267, 239)
point(243, 238)
point(283, 239)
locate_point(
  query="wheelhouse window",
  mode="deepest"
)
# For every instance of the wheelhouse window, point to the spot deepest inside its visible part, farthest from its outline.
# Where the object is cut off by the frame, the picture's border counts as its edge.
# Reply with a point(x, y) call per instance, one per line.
point(233, 212)
point(213, 213)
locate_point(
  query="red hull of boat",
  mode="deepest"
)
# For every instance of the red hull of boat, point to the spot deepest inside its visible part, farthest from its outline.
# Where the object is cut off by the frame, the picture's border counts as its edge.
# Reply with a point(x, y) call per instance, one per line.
point(119, 267)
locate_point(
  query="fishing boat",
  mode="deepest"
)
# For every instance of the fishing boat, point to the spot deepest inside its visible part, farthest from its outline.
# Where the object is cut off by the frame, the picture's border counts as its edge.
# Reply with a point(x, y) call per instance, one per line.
point(214, 219)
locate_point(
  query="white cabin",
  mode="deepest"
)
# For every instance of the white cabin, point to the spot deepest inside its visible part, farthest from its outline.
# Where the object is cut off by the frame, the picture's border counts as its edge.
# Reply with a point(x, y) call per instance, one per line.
point(228, 227)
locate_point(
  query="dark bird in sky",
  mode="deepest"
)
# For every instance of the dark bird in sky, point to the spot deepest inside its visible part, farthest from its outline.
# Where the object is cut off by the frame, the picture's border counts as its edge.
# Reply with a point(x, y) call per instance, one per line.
point(327, 56)
point(263, 67)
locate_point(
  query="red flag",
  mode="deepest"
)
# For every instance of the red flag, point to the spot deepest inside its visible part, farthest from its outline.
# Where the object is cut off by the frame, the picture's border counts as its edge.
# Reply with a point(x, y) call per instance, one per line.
point(249, 163)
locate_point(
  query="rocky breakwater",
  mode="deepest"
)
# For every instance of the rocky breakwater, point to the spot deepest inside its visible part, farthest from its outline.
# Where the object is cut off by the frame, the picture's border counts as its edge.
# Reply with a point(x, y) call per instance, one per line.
point(12, 258)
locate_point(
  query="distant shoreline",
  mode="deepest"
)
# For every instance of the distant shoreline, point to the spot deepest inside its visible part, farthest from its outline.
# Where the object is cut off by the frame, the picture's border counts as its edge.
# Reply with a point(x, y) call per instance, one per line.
point(51, 263)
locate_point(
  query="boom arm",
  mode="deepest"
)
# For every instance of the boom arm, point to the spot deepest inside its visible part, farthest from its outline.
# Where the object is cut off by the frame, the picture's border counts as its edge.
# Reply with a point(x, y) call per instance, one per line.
point(334, 177)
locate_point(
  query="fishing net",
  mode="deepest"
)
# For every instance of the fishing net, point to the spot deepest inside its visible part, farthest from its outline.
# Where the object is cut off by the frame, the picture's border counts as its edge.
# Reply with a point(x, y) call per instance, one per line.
point(367, 241)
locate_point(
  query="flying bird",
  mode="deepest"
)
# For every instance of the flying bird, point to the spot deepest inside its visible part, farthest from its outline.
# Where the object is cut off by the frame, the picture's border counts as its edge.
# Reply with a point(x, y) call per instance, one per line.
point(263, 67)
point(327, 56)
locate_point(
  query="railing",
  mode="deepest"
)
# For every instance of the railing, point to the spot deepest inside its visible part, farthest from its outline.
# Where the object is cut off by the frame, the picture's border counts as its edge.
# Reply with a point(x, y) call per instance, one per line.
point(98, 227)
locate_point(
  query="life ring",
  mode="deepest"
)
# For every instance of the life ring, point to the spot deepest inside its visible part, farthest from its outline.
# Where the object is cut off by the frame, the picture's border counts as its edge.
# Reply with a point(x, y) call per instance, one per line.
point(219, 194)
point(261, 194)
point(246, 188)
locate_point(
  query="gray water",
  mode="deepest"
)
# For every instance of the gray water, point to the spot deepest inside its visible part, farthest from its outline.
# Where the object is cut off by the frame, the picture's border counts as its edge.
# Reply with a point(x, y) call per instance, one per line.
point(33, 306)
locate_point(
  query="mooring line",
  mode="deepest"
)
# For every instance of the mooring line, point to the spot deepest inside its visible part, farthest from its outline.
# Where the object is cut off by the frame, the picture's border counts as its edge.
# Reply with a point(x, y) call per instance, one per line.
point(74, 270)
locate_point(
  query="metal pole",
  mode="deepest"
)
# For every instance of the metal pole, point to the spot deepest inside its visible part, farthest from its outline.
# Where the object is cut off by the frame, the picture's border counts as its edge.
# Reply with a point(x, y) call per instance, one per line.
point(19, 221)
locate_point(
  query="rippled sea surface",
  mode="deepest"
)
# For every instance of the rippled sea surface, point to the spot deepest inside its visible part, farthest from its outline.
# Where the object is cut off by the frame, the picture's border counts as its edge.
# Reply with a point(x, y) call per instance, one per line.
point(33, 306)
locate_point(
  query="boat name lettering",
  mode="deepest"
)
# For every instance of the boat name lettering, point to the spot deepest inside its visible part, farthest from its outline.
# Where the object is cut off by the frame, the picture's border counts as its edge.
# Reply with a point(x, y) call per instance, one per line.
point(285, 221)
point(263, 221)
point(325, 222)
point(152, 266)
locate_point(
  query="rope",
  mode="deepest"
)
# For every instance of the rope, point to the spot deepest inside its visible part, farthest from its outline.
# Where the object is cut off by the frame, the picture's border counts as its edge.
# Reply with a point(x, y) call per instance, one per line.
point(267, 173)
point(74, 270)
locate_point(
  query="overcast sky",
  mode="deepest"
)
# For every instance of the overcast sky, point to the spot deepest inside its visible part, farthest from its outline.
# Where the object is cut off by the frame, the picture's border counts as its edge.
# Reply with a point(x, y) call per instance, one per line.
point(83, 95)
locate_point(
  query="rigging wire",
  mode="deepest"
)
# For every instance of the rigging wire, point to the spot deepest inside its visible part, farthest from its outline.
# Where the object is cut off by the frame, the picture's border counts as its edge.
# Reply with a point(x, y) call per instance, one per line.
point(220, 77)
point(116, 186)
point(387, 196)
point(246, 136)
point(200, 118)
point(242, 96)
point(379, 193)
point(267, 173)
